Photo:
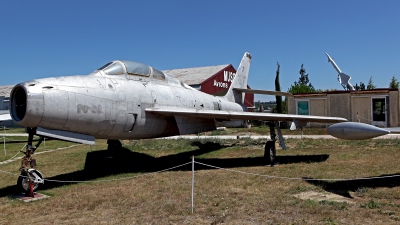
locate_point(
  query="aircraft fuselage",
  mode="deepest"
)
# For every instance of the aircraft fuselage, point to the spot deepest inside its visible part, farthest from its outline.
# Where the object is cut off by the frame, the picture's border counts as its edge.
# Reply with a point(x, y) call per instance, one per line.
point(110, 106)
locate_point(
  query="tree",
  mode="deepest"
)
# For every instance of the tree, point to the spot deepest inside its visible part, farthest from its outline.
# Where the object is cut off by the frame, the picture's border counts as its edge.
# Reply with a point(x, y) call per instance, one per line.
point(301, 88)
point(394, 83)
point(357, 87)
point(278, 88)
point(362, 86)
point(304, 77)
point(371, 84)
point(303, 85)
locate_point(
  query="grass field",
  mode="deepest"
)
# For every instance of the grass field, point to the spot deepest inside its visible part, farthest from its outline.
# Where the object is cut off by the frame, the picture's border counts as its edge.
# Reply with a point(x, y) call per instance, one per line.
point(220, 196)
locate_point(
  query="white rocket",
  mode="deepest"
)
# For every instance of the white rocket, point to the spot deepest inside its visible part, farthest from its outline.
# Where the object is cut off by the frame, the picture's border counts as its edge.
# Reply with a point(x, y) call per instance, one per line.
point(343, 78)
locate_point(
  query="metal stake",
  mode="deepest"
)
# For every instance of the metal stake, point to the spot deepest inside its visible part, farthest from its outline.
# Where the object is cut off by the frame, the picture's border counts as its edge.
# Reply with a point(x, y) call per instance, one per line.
point(192, 182)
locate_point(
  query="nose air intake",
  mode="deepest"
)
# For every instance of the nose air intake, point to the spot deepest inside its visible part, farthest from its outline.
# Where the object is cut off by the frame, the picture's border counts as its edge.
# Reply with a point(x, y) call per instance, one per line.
point(18, 103)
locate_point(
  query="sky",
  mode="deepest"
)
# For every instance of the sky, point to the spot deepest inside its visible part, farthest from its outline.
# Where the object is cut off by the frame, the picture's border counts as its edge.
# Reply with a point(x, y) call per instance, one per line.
point(57, 38)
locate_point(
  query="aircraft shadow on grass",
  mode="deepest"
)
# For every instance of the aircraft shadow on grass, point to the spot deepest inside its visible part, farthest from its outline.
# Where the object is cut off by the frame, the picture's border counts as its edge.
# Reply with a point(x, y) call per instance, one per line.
point(344, 188)
point(100, 164)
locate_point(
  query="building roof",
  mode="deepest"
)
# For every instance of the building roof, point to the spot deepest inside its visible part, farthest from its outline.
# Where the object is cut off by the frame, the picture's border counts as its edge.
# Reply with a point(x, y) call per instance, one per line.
point(361, 92)
point(196, 75)
point(6, 90)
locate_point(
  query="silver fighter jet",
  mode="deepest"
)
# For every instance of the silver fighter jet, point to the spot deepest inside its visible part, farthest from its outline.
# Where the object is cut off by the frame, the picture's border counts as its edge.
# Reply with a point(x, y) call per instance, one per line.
point(131, 100)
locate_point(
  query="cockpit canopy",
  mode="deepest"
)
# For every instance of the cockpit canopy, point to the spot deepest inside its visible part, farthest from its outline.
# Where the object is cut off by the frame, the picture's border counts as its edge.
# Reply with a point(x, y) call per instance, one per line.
point(131, 68)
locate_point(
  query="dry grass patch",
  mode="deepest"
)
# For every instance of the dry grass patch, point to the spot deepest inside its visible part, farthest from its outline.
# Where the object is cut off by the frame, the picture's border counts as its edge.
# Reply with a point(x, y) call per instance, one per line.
point(221, 196)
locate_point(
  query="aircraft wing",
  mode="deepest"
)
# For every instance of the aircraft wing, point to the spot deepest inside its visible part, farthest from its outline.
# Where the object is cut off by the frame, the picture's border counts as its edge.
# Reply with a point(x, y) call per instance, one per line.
point(232, 115)
point(6, 116)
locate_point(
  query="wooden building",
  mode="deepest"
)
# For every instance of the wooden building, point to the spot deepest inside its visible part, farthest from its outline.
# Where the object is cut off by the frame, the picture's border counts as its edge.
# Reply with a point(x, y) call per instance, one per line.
point(379, 107)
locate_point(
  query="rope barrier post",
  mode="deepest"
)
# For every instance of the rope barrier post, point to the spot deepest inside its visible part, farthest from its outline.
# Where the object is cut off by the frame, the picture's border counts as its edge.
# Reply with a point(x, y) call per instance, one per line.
point(4, 140)
point(192, 182)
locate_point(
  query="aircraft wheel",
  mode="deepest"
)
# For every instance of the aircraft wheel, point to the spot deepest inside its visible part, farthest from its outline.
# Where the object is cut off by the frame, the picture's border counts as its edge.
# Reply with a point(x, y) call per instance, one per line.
point(114, 144)
point(270, 152)
point(23, 183)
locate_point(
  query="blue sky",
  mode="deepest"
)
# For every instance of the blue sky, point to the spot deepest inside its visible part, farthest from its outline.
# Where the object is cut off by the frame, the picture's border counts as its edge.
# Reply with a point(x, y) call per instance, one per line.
point(57, 38)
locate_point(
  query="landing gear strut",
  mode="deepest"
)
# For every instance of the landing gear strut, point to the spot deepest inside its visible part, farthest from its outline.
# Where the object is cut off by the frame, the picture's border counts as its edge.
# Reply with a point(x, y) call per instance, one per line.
point(30, 178)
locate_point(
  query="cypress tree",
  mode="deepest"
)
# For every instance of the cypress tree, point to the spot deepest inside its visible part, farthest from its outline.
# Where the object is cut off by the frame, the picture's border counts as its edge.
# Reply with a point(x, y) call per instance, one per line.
point(278, 88)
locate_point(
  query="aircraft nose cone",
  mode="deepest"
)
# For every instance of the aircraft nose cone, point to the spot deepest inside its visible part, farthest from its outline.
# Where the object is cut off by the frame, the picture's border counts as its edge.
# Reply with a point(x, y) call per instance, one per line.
point(355, 131)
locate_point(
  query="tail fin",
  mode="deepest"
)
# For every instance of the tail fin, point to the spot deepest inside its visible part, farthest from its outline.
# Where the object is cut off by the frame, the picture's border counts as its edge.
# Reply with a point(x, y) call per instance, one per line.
point(240, 80)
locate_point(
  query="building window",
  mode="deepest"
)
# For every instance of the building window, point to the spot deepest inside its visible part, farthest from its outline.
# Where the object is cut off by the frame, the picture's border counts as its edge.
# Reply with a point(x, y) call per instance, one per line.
point(302, 107)
point(378, 109)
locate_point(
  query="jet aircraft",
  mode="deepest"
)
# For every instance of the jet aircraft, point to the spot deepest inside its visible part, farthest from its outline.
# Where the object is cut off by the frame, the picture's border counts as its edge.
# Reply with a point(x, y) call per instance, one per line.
point(131, 100)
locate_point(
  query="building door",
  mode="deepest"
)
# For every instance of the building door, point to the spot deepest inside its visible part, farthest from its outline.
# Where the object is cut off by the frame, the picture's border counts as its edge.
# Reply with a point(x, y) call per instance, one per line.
point(379, 111)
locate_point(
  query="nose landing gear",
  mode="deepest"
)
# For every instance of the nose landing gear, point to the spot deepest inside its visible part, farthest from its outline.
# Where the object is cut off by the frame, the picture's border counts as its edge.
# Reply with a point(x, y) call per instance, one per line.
point(29, 181)
point(30, 178)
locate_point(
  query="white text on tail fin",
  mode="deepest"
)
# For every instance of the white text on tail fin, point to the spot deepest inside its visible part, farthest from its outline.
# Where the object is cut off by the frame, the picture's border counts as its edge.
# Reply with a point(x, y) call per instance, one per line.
point(240, 80)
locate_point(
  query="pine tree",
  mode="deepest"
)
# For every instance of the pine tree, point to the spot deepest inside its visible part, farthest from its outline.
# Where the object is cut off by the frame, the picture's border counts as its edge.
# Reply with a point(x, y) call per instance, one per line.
point(303, 85)
point(394, 83)
point(371, 84)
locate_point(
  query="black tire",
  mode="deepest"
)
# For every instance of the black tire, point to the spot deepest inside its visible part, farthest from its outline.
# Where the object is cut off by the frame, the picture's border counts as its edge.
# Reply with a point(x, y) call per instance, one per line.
point(23, 184)
point(270, 152)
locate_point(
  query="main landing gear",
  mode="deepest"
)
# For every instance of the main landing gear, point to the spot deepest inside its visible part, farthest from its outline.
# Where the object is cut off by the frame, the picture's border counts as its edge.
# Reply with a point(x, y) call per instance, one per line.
point(270, 149)
point(30, 179)
point(270, 152)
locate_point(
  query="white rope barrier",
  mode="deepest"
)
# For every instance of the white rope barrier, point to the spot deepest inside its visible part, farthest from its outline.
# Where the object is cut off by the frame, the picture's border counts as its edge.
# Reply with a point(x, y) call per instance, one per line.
point(231, 170)
point(11, 159)
point(369, 120)
point(37, 153)
point(298, 178)
point(99, 181)
point(215, 167)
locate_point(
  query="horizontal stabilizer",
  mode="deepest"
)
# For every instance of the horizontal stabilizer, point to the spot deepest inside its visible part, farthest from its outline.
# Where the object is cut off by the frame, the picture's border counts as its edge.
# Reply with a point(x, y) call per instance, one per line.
point(65, 135)
point(263, 92)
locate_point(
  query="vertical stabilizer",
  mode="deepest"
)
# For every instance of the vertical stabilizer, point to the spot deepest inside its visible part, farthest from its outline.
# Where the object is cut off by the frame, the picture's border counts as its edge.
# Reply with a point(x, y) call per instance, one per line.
point(240, 80)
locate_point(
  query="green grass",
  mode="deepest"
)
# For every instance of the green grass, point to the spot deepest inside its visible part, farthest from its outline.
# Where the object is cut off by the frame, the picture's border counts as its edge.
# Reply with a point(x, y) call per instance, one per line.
point(13, 130)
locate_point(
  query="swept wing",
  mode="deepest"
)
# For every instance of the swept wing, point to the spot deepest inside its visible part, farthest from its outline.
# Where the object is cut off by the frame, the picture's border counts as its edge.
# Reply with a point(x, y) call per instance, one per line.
point(233, 115)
